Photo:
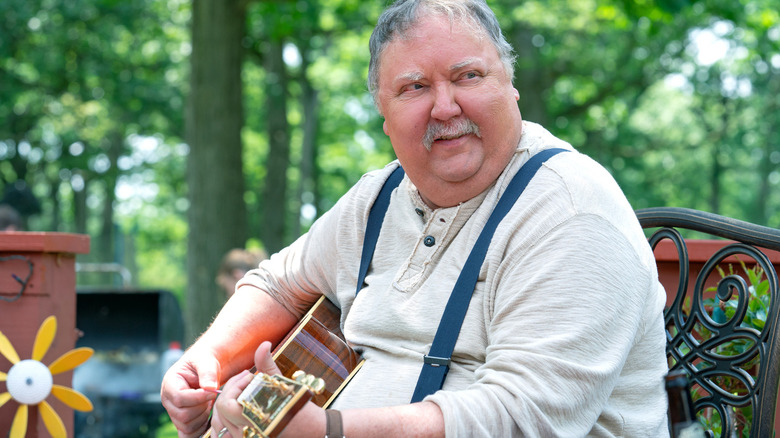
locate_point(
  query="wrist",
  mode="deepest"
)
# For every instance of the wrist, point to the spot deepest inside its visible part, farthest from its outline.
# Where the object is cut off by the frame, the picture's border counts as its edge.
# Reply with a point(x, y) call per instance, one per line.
point(230, 357)
point(334, 425)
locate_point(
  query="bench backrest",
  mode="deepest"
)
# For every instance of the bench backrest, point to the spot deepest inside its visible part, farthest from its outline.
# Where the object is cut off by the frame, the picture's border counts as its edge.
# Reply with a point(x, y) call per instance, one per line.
point(725, 336)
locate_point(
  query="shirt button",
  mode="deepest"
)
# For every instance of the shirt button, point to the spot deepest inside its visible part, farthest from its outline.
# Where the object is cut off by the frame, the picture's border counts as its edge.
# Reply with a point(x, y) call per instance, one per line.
point(429, 241)
point(419, 212)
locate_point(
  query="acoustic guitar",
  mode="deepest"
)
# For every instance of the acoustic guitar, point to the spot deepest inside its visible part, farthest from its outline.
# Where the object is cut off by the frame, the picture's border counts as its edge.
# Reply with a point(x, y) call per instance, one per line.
point(316, 363)
point(317, 347)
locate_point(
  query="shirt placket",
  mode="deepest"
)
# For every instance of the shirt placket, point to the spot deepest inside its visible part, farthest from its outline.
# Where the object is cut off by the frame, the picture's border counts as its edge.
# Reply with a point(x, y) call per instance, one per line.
point(432, 237)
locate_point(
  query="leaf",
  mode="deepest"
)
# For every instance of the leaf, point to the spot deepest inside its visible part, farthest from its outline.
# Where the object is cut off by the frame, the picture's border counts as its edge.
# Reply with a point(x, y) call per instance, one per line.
point(762, 288)
point(718, 315)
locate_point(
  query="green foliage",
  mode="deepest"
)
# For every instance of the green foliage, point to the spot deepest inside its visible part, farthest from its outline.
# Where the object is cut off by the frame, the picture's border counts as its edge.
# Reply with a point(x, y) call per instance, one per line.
point(677, 98)
point(83, 81)
point(167, 429)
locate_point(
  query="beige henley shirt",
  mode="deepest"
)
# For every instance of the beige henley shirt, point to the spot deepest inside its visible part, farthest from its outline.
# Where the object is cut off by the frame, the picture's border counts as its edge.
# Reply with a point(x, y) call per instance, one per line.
point(564, 333)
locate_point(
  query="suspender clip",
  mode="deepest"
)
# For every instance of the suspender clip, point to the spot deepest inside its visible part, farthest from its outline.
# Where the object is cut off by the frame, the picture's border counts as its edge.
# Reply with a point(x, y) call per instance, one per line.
point(436, 361)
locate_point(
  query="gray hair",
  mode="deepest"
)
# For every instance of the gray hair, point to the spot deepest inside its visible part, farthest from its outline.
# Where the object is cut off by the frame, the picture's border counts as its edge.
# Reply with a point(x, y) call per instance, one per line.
point(402, 15)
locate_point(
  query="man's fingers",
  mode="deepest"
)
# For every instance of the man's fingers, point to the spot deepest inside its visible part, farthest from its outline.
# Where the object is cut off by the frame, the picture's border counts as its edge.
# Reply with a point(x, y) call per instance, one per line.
point(191, 426)
point(188, 398)
point(235, 385)
point(227, 410)
point(189, 410)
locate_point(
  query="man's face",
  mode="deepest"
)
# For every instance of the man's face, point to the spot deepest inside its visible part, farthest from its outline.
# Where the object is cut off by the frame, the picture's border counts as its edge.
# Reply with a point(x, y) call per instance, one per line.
point(448, 81)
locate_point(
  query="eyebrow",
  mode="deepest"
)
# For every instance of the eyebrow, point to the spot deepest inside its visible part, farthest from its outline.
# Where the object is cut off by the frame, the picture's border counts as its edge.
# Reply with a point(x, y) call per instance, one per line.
point(410, 76)
point(464, 63)
point(414, 76)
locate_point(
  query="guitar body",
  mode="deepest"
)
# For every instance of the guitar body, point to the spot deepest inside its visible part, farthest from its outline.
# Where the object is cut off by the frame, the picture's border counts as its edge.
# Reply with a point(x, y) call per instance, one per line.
point(317, 346)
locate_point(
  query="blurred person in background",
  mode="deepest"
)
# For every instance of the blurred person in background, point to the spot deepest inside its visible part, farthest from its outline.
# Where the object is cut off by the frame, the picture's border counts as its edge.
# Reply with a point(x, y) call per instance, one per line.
point(235, 264)
point(10, 220)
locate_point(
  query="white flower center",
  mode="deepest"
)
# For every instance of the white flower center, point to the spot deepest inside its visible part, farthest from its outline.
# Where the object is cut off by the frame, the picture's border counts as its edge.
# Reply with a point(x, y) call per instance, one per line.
point(29, 382)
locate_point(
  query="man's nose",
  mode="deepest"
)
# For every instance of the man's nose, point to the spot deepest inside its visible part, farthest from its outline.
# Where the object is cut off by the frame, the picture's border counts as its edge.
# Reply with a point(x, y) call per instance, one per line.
point(445, 106)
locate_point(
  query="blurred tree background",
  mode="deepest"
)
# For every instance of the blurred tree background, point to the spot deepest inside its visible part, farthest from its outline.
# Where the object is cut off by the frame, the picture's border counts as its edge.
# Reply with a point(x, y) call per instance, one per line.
point(173, 130)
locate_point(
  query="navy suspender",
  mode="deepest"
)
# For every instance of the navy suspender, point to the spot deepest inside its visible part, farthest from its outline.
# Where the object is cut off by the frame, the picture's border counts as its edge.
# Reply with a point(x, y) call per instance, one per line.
point(436, 362)
point(375, 218)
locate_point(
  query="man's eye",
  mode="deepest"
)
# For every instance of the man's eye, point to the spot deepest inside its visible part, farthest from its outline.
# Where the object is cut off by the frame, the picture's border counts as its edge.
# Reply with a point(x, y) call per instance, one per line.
point(470, 75)
point(412, 87)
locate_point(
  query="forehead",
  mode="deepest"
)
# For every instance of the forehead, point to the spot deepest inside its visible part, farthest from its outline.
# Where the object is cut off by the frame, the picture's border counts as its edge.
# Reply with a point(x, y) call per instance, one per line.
point(456, 41)
point(441, 23)
point(456, 19)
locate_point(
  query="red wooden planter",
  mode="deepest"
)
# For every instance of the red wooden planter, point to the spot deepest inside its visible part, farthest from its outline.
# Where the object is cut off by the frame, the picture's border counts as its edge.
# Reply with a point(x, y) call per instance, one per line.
point(46, 263)
point(699, 251)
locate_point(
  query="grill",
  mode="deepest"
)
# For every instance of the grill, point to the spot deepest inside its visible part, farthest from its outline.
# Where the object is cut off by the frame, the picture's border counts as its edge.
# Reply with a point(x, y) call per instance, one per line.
point(129, 331)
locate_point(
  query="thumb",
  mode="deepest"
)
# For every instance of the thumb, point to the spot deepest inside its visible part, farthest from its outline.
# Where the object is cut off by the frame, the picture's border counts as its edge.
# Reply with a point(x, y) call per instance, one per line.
point(208, 373)
point(263, 360)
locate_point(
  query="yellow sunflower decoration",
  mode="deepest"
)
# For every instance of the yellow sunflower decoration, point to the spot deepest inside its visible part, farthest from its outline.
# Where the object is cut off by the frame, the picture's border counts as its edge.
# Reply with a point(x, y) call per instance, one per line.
point(30, 382)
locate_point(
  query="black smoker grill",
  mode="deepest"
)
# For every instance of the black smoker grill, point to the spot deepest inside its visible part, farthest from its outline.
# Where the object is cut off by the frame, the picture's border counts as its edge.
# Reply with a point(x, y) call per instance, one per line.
point(129, 331)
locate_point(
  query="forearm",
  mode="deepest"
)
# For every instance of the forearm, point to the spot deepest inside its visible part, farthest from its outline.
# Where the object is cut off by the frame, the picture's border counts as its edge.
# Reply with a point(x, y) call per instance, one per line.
point(415, 420)
point(250, 317)
point(419, 420)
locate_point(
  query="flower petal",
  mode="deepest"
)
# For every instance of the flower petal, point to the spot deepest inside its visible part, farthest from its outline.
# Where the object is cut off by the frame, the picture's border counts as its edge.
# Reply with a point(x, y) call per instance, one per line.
point(44, 338)
point(71, 360)
point(72, 398)
point(52, 421)
point(4, 397)
point(7, 350)
point(3, 376)
point(19, 426)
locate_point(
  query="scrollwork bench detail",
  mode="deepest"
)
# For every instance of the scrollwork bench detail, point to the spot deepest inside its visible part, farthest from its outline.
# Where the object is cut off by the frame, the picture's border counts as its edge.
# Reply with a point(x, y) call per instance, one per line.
point(722, 325)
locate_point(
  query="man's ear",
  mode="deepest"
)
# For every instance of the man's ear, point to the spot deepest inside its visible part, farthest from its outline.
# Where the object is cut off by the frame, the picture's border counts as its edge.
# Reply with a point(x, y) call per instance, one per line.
point(384, 128)
point(516, 93)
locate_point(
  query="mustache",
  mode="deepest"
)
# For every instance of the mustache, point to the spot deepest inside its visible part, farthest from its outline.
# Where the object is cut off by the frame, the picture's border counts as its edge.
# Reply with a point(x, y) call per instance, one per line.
point(448, 130)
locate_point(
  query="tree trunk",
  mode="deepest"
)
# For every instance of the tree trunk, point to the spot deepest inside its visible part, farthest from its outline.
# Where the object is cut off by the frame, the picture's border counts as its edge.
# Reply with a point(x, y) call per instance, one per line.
point(56, 209)
point(80, 207)
point(106, 250)
point(718, 139)
point(275, 189)
point(307, 183)
point(771, 146)
point(217, 213)
point(715, 176)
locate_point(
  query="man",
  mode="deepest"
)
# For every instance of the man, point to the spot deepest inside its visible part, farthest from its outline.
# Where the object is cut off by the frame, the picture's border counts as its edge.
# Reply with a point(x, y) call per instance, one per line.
point(563, 335)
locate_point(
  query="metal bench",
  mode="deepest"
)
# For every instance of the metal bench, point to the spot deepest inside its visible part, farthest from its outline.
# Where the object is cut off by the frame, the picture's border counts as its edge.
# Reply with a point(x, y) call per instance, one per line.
point(722, 325)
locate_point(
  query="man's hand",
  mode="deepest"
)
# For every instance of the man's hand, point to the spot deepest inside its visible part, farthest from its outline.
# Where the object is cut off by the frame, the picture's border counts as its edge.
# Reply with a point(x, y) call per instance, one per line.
point(228, 416)
point(183, 394)
point(309, 421)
